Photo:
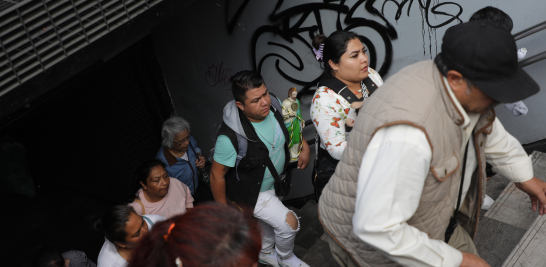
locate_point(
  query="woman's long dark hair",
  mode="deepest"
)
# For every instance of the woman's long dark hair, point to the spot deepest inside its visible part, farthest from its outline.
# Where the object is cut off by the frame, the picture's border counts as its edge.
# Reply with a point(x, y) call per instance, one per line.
point(112, 223)
point(335, 46)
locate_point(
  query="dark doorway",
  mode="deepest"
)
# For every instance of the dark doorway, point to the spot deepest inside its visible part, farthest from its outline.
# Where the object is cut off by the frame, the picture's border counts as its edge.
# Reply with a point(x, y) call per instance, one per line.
point(83, 140)
point(101, 125)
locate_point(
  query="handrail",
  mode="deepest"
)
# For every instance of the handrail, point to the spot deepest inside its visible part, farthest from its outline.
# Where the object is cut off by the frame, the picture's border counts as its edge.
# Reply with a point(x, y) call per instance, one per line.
point(534, 59)
point(531, 30)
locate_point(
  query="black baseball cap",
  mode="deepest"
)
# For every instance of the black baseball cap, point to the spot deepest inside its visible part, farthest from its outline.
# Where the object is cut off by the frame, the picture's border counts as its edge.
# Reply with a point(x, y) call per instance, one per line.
point(486, 54)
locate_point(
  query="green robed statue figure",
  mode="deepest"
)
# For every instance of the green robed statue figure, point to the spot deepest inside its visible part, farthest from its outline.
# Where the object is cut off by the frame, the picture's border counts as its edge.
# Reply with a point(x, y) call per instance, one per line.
point(291, 112)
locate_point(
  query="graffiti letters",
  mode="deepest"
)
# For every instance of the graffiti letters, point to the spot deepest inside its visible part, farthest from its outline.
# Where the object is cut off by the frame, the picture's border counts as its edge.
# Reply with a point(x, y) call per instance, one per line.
point(424, 7)
point(218, 75)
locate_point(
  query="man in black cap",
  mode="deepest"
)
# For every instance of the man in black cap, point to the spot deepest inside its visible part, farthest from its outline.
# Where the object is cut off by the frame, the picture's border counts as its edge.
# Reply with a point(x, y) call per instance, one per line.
point(412, 178)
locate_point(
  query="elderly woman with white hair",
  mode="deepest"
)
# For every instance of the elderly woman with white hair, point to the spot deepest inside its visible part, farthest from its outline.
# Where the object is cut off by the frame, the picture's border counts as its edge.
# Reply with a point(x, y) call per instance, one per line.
point(180, 153)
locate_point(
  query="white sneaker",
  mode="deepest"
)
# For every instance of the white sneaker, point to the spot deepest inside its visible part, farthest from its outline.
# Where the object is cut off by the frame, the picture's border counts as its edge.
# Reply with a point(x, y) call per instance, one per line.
point(292, 262)
point(269, 259)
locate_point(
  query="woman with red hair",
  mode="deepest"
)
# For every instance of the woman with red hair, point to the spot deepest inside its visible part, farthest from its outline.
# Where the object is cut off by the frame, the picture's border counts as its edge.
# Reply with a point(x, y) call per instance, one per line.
point(210, 235)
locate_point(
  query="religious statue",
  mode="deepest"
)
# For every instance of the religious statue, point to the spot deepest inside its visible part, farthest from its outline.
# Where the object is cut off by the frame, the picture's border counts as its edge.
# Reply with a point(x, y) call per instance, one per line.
point(291, 112)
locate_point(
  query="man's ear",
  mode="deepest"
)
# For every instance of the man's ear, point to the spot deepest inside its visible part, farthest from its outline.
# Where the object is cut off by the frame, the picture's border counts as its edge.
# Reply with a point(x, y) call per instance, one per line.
point(240, 105)
point(121, 245)
point(456, 81)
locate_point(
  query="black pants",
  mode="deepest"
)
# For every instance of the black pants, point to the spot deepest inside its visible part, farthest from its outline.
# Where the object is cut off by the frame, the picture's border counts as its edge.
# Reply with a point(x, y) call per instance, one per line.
point(325, 167)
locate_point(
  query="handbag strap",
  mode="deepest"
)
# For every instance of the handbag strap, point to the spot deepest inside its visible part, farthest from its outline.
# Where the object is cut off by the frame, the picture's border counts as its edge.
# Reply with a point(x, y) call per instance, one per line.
point(191, 167)
point(142, 205)
point(272, 169)
point(462, 178)
point(193, 150)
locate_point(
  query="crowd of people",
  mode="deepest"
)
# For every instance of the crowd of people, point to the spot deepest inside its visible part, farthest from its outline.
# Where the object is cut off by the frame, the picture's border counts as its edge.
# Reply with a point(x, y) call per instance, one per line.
point(399, 172)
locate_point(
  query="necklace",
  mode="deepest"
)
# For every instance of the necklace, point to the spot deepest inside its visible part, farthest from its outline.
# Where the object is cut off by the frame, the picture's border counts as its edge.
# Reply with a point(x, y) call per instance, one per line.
point(362, 88)
point(273, 129)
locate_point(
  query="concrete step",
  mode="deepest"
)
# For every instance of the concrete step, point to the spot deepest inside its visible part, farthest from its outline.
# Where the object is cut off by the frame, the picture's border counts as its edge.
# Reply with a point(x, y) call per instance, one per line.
point(506, 222)
point(529, 252)
point(319, 255)
point(307, 213)
point(310, 227)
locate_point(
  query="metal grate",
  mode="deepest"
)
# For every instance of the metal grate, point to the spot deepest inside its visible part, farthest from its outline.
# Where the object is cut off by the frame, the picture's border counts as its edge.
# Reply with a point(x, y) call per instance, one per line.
point(8, 5)
point(37, 34)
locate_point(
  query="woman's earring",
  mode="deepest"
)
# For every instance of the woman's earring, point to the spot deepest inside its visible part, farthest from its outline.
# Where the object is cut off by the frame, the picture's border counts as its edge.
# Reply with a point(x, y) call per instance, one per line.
point(178, 262)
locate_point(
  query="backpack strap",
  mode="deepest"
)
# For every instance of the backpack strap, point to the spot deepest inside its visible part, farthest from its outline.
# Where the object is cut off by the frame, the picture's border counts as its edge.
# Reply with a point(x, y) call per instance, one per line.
point(338, 87)
point(191, 167)
point(211, 156)
point(194, 151)
point(242, 144)
point(275, 103)
point(370, 84)
point(341, 89)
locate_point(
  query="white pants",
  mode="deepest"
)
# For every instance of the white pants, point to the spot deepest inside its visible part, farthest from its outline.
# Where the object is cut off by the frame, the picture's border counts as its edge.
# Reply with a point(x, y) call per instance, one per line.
point(271, 214)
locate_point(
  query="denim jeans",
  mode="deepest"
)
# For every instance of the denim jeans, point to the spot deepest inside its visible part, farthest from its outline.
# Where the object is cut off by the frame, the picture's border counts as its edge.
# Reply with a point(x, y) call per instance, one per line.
point(271, 214)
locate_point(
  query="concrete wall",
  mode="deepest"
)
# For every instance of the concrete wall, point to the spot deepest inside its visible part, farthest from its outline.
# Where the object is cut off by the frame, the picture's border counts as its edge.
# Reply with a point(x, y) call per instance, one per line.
point(202, 46)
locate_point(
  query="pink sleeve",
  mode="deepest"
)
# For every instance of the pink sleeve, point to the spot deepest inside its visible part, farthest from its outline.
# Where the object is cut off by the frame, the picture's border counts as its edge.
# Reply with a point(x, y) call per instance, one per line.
point(137, 207)
point(189, 198)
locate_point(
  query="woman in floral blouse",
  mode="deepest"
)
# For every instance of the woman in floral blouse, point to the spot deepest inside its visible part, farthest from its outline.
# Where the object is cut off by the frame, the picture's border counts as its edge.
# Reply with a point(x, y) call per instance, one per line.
point(341, 92)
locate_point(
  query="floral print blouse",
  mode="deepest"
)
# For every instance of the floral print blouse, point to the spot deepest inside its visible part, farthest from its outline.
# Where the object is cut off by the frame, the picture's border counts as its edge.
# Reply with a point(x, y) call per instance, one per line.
point(330, 111)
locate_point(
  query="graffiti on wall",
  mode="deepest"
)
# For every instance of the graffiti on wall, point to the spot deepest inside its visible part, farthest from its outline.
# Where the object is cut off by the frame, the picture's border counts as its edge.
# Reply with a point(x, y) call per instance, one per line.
point(288, 25)
point(218, 75)
point(424, 7)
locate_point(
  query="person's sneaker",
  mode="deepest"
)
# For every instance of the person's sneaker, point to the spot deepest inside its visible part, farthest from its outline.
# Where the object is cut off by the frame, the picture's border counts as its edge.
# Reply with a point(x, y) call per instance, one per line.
point(269, 259)
point(292, 262)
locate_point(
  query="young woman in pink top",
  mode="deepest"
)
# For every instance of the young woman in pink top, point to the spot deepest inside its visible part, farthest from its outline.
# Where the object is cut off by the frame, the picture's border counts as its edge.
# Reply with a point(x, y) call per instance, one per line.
point(157, 193)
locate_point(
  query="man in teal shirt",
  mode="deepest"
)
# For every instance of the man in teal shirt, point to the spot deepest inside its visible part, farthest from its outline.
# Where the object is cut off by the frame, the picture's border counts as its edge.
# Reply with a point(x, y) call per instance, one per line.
point(225, 153)
point(250, 183)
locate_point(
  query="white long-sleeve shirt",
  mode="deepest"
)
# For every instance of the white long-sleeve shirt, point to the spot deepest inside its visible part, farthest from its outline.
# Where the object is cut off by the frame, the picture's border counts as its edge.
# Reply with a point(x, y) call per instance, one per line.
point(391, 179)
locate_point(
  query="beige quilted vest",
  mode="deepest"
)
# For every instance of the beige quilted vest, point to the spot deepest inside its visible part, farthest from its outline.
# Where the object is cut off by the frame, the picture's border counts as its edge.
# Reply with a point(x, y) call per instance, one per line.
point(416, 96)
